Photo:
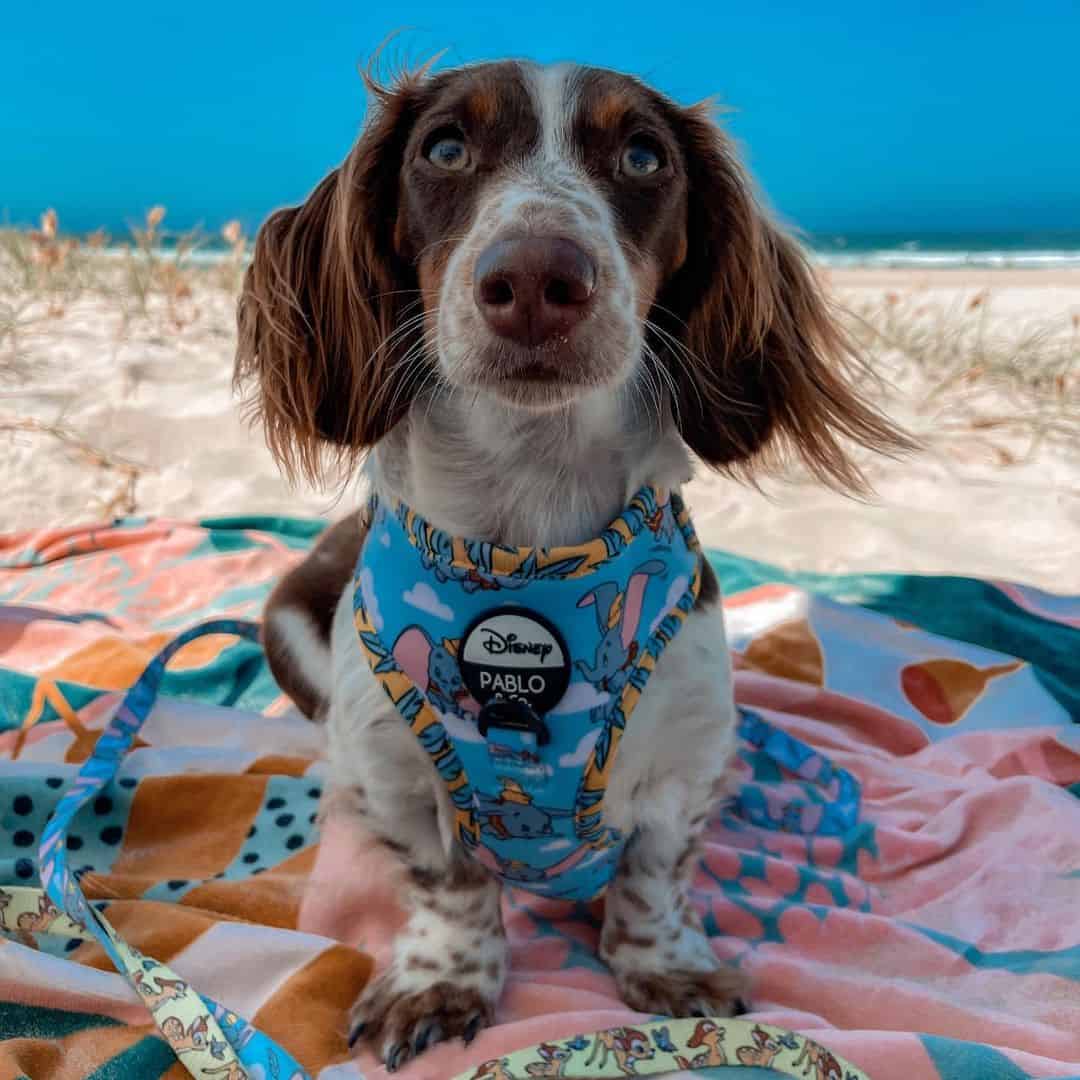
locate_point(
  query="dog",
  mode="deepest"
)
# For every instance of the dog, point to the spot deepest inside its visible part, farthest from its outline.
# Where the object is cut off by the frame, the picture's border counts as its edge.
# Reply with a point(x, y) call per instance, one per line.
point(527, 292)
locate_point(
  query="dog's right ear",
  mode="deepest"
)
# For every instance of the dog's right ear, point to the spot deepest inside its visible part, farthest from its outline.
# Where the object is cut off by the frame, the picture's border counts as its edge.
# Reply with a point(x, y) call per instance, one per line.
point(761, 364)
point(324, 294)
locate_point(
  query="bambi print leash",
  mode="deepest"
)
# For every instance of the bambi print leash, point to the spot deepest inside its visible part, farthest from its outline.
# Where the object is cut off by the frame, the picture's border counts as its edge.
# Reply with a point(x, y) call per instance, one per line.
point(665, 1047)
point(210, 1041)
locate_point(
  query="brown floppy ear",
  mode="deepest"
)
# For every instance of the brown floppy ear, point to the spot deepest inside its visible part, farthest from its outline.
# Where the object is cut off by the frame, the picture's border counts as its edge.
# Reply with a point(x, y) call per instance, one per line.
point(323, 295)
point(761, 363)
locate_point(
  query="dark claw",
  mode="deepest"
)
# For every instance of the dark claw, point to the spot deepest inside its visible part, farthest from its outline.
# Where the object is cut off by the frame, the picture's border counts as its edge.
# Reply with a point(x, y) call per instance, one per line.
point(431, 1034)
point(398, 1056)
point(354, 1035)
point(472, 1029)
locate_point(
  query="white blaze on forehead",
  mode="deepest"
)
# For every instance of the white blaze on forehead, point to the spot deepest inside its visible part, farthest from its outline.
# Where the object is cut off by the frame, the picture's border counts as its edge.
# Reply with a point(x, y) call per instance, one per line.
point(550, 184)
point(553, 90)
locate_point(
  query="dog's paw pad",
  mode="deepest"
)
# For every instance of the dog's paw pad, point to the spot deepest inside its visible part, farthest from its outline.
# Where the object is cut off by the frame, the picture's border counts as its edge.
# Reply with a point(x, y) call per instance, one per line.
point(400, 1024)
point(685, 993)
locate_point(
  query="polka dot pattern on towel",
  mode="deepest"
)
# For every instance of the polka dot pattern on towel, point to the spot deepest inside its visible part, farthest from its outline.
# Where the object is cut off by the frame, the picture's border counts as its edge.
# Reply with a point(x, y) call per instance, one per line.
point(284, 826)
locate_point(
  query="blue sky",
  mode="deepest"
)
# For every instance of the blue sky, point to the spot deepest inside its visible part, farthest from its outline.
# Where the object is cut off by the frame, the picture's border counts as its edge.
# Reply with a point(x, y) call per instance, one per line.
point(855, 116)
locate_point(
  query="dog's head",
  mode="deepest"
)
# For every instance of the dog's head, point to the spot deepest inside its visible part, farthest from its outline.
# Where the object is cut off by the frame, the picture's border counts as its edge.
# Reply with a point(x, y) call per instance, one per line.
point(536, 235)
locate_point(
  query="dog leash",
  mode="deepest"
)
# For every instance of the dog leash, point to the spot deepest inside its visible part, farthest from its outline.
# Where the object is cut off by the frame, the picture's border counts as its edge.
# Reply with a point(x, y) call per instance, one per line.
point(664, 1047)
point(210, 1041)
point(829, 800)
point(215, 1043)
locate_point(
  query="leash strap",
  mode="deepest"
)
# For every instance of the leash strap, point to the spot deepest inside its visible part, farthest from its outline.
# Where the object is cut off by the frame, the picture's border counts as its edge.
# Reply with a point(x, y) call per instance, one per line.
point(210, 1041)
point(664, 1047)
point(214, 1043)
point(832, 795)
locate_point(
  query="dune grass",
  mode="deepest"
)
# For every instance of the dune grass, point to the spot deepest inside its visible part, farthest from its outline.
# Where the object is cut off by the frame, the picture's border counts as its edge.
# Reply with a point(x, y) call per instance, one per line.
point(147, 281)
point(966, 379)
point(969, 384)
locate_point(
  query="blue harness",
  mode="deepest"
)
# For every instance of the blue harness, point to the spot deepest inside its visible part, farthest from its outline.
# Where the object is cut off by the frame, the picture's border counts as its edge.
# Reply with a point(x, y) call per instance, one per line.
point(519, 668)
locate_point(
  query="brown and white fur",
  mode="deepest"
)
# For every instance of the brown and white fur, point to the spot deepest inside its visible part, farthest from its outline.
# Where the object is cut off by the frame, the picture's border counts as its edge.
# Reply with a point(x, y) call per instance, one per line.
point(364, 325)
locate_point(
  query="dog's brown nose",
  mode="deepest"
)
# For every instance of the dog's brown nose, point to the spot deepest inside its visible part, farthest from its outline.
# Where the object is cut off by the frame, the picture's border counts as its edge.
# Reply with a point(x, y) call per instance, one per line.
point(535, 288)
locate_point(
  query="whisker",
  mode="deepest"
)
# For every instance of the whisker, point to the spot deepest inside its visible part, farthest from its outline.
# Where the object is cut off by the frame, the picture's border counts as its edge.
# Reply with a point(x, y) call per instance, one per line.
point(398, 292)
point(671, 314)
point(401, 328)
point(645, 381)
point(664, 374)
point(662, 378)
point(399, 374)
point(696, 370)
point(435, 243)
point(693, 364)
point(414, 362)
point(679, 352)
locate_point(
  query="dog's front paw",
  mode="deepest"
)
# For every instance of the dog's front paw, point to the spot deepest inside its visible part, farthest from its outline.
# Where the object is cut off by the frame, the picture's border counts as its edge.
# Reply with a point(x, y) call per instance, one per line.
point(684, 993)
point(400, 1020)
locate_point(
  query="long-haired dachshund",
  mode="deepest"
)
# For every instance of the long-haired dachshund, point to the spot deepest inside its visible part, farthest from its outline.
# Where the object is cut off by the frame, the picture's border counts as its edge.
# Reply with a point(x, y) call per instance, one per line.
point(527, 294)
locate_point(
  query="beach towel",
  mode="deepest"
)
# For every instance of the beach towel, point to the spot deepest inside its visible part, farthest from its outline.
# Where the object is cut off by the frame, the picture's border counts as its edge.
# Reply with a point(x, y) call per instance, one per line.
point(938, 936)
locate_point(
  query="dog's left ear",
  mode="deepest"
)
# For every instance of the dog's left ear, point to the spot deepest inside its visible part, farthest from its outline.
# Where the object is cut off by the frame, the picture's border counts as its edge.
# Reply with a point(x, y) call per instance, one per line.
point(321, 316)
point(762, 364)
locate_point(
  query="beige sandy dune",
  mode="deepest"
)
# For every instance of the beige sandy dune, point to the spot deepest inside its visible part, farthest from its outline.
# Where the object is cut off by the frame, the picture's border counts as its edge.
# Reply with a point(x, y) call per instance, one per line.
point(964, 505)
point(990, 496)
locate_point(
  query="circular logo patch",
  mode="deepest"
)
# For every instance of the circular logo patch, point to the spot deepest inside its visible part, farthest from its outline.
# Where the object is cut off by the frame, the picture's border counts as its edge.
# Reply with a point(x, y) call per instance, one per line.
point(513, 654)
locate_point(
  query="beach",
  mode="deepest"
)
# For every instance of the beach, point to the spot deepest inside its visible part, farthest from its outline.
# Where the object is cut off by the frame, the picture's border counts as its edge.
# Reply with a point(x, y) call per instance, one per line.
point(117, 399)
point(987, 496)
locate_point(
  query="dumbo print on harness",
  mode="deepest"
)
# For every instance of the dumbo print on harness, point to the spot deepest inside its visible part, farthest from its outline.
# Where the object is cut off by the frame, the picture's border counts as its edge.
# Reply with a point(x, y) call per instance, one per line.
point(565, 659)
point(589, 621)
point(617, 618)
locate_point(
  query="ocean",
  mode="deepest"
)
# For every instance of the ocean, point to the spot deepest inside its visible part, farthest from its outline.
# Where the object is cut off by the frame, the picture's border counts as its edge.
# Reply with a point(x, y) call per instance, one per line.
point(1059, 249)
point(1005, 250)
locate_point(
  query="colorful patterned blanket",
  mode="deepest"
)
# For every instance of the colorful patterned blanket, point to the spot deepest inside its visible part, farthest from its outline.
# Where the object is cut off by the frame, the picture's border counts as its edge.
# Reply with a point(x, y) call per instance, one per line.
point(939, 937)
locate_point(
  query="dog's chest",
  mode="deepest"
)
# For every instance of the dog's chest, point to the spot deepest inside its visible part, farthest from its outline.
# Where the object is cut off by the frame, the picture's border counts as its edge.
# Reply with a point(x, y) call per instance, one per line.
point(519, 672)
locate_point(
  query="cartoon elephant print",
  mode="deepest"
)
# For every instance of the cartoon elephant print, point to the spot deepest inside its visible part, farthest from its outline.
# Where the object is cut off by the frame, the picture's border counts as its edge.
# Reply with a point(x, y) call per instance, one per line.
point(438, 557)
point(515, 870)
point(512, 815)
point(433, 668)
point(618, 616)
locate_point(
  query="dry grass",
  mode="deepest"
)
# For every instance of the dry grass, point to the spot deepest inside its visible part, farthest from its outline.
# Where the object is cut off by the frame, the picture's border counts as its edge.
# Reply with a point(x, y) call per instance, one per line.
point(42, 272)
point(153, 283)
point(970, 385)
point(123, 500)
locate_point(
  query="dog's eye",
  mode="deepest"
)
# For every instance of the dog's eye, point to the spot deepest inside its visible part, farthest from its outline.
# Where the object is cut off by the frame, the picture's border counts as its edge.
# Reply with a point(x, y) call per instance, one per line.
point(448, 151)
point(641, 157)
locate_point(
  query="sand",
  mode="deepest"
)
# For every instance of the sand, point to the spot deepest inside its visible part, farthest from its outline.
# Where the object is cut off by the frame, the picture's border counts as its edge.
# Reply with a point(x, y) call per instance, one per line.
point(154, 390)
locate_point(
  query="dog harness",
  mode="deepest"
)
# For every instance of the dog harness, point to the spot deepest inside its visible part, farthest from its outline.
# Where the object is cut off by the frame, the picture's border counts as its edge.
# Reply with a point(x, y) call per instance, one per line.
point(518, 670)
